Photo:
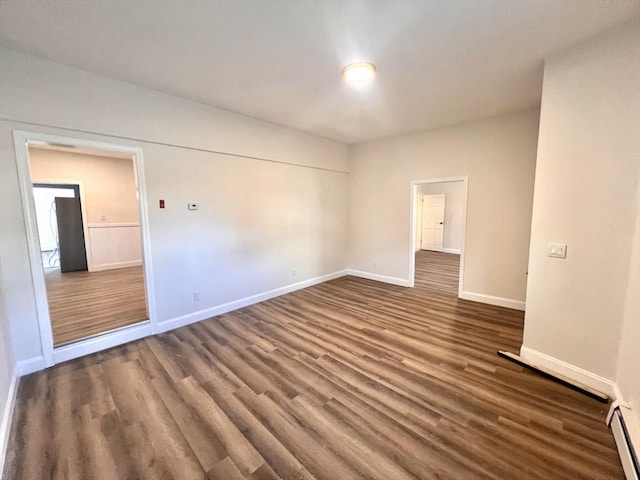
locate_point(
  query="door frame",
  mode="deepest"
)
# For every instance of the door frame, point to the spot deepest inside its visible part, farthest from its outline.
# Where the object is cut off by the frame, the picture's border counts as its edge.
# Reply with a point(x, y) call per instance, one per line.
point(412, 243)
point(53, 355)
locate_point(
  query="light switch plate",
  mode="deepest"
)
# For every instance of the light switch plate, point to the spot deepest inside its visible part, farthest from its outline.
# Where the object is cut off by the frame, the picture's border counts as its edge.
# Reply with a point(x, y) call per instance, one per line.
point(557, 250)
point(192, 206)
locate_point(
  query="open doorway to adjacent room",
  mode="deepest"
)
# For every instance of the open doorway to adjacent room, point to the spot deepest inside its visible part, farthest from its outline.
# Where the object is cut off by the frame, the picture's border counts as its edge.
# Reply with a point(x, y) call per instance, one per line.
point(439, 211)
point(87, 212)
point(56, 204)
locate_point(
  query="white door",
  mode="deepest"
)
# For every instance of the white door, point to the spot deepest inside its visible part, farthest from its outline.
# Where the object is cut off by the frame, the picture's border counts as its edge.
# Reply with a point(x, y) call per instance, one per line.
point(432, 222)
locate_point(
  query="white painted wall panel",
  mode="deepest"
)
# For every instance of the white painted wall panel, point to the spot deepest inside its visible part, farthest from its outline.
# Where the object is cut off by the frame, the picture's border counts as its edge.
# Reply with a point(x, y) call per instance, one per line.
point(108, 184)
point(114, 246)
point(8, 384)
point(497, 154)
point(258, 218)
point(585, 196)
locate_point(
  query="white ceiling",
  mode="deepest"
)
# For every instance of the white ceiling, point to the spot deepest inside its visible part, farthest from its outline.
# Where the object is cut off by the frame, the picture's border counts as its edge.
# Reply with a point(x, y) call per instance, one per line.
point(439, 62)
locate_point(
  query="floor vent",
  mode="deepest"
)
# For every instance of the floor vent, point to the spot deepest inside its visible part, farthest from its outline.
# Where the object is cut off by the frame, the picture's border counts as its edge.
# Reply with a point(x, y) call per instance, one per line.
point(626, 432)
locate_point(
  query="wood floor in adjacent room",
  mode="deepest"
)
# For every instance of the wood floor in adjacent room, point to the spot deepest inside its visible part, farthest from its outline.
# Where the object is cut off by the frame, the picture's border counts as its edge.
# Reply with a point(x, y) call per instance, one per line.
point(349, 379)
point(83, 304)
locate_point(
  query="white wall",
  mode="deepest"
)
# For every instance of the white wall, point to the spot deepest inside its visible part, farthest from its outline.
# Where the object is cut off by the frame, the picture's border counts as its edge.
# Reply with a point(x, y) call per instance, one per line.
point(498, 155)
point(453, 212)
point(109, 196)
point(585, 195)
point(628, 370)
point(109, 183)
point(258, 218)
point(7, 376)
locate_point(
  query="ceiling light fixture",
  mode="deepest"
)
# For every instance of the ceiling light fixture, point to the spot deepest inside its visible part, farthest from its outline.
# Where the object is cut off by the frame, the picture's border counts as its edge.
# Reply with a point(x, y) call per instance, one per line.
point(358, 72)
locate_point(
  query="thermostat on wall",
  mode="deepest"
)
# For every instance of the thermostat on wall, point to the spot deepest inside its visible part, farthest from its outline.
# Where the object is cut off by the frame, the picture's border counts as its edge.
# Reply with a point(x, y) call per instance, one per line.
point(192, 206)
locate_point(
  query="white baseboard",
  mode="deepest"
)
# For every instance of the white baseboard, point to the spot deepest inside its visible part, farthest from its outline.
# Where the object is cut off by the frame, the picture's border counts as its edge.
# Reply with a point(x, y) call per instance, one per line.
point(451, 250)
point(243, 302)
point(491, 300)
point(7, 416)
point(85, 347)
point(568, 370)
point(102, 342)
point(145, 329)
point(30, 365)
point(380, 278)
point(114, 266)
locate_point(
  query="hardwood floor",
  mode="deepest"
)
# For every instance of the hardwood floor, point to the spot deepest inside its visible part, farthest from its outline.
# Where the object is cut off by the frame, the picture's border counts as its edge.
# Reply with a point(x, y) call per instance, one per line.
point(349, 379)
point(437, 273)
point(82, 304)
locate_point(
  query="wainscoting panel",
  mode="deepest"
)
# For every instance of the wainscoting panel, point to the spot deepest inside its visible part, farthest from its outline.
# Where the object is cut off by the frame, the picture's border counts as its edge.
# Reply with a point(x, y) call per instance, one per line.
point(114, 245)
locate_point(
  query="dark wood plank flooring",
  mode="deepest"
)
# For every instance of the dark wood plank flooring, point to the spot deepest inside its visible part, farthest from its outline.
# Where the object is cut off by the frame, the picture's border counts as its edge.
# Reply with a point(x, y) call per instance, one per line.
point(349, 379)
point(83, 304)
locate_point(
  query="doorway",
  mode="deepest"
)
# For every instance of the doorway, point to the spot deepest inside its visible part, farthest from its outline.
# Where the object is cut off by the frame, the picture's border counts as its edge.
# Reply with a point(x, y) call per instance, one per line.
point(85, 208)
point(88, 295)
point(60, 227)
point(438, 233)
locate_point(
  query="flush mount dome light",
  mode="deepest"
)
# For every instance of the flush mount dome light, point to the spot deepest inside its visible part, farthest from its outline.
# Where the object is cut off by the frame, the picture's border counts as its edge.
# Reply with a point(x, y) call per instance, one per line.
point(358, 72)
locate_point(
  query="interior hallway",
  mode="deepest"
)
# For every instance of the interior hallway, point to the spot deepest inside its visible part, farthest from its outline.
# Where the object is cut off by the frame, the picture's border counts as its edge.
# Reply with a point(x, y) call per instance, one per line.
point(82, 304)
point(345, 380)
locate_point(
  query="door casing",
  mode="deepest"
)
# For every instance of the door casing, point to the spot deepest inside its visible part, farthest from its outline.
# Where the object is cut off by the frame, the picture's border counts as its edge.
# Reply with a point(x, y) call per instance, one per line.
point(50, 355)
point(413, 191)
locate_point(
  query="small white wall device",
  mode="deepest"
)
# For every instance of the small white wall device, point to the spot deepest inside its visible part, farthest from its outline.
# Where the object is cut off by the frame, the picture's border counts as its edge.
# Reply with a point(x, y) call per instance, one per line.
point(557, 250)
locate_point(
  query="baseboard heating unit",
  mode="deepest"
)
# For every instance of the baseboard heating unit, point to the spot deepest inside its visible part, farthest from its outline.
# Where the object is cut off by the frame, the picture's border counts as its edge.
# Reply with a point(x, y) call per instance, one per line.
point(626, 432)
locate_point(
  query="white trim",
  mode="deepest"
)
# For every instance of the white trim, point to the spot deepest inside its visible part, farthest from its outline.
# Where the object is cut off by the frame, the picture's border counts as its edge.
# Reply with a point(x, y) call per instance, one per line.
point(491, 300)
point(451, 250)
point(381, 278)
point(243, 302)
point(113, 225)
point(617, 402)
point(113, 266)
point(7, 416)
point(145, 236)
point(145, 329)
point(30, 365)
point(21, 140)
point(568, 370)
point(620, 411)
point(624, 449)
point(102, 342)
point(412, 222)
point(617, 396)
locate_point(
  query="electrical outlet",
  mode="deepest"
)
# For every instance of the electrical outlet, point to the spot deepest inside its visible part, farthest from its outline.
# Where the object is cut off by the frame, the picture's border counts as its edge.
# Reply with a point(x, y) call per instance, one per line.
point(193, 206)
point(196, 296)
point(557, 250)
point(293, 272)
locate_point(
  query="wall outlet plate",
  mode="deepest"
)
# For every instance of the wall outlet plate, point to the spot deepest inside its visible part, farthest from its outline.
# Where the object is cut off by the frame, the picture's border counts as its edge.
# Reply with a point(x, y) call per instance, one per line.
point(192, 206)
point(557, 250)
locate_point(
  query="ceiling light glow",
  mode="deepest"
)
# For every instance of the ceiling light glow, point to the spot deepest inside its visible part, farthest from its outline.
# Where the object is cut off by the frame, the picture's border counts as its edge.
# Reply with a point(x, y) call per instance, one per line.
point(359, 72)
